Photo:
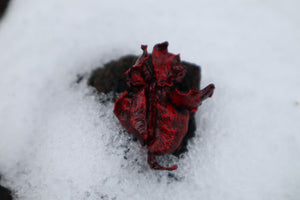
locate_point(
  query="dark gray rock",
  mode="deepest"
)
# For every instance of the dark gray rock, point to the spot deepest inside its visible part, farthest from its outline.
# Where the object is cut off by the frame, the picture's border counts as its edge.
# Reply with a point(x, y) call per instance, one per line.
point(5, 194)
point(3, 6)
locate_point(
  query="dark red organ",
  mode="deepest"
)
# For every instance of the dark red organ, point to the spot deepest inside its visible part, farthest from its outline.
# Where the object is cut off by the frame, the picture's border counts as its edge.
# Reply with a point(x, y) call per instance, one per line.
point(153, 110)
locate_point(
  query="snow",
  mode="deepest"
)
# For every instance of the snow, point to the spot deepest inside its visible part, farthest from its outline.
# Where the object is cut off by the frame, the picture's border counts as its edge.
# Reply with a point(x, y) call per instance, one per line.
point(58, 142)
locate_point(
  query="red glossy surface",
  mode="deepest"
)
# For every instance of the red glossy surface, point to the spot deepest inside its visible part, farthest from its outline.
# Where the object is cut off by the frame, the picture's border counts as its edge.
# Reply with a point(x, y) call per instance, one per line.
point(153, 110)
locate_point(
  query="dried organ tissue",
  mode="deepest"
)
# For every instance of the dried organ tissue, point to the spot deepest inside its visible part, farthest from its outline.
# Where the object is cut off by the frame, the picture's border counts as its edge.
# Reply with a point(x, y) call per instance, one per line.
point(153, 110)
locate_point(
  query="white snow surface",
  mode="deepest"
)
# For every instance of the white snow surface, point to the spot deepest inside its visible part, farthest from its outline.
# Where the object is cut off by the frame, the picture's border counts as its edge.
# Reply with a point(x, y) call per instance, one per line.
point(57, 142)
